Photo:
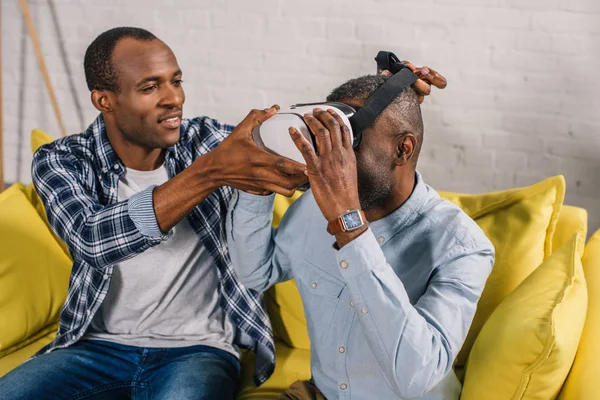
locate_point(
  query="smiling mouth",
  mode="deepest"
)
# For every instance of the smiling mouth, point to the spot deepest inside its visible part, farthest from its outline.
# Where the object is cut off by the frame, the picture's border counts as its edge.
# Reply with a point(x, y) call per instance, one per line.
point(171, 123)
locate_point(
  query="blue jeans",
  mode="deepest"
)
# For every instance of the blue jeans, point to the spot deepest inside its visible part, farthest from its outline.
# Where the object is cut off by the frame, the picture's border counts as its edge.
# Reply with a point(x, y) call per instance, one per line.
point(104, 370)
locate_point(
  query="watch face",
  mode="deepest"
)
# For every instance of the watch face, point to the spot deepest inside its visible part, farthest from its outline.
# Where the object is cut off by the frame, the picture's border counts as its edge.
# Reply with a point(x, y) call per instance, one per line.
point(352, 220)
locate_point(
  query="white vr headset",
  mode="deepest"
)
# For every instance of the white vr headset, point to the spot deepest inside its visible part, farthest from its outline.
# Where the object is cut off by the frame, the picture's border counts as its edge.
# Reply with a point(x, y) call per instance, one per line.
point(272, 135)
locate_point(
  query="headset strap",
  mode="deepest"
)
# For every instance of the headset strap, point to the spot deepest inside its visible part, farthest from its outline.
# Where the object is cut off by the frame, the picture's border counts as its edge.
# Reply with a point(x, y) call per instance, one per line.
point(381, 98)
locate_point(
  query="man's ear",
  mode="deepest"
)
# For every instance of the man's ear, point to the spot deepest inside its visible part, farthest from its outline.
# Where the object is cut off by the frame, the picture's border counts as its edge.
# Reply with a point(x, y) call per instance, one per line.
point(405, 148)
point(103, 100)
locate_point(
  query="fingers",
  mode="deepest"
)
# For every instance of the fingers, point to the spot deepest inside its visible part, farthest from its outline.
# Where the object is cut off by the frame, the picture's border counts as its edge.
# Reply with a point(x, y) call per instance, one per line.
point(288, 167)
point(263, 188)
point(261, 180)
point(272, 174)
point(423, 88)
point(346, 141)
point(432, 77)
point(410, 66)
point(322, 134)
point(255, 117)
point(332, 124)
point(427, 77)
point(305, 148)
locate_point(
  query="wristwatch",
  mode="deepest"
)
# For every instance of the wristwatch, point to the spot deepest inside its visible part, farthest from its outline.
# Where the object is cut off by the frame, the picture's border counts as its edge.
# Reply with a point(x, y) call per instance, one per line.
point(348, 221)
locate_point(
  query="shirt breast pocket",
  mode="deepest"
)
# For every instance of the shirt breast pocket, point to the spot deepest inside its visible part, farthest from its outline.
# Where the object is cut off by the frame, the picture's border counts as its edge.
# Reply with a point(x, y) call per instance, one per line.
point(321, 296)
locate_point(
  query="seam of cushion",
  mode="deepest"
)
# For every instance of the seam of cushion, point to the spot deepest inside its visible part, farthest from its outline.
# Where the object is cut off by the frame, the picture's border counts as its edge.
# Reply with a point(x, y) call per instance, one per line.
point(40, 334)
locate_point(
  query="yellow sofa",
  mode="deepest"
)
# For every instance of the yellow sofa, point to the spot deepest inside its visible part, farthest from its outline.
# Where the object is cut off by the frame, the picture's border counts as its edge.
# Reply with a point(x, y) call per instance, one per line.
point(527, 226)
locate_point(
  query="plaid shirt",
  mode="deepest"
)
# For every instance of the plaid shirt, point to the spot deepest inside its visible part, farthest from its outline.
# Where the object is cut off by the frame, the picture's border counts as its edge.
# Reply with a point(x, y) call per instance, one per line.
point(77, 177)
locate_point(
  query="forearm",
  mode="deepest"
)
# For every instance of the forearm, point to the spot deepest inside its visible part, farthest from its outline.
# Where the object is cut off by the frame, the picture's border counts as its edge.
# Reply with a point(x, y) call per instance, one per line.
point(177, 197)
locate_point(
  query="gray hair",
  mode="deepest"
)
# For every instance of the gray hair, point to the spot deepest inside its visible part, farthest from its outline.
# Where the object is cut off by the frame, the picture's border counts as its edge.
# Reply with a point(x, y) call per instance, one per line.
point(405, 109)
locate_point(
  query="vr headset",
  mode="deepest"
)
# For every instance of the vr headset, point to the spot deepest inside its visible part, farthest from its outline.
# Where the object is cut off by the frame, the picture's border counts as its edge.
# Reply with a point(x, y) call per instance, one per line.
point(272, 135)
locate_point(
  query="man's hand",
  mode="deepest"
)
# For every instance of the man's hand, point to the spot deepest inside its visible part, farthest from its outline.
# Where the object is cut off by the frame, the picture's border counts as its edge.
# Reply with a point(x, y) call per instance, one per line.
point(332, 174)
point(427, 77)
point(242, 165)
point(236, 162)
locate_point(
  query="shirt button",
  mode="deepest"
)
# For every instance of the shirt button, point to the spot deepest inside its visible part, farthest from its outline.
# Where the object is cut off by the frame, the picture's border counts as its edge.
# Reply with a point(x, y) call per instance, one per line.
point(105, 276)
point(381, 239)
point(342, 349)
point(364, 310)
point(344, 264)
point(351, 303)
point(343, 386)
point(314, 285)
point(116, 166)
point(112, 190)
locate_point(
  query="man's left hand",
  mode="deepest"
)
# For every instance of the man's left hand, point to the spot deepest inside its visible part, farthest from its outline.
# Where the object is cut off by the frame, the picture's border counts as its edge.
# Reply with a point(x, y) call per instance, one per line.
point(427, 77)
point(332, 173)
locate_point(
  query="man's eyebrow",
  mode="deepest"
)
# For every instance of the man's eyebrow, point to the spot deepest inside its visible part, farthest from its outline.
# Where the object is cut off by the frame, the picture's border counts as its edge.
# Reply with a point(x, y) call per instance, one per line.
point(148, 79)
point(155, 78)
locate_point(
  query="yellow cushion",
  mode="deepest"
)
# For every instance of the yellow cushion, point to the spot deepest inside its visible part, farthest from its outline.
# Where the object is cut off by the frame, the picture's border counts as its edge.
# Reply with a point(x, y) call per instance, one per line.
point(36, 202)
point(39, 138)
point(291, 365)
point(283, 301)
point(571, 220)
point(582, 383)
point(34, 271)
point(286, 311)
point(28, 349)
point(281, 205)
point(527, 346)
point(520, 223)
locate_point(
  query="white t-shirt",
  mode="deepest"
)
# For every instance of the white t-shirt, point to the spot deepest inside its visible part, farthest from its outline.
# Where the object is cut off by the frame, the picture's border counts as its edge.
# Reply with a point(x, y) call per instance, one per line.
point(167, 296)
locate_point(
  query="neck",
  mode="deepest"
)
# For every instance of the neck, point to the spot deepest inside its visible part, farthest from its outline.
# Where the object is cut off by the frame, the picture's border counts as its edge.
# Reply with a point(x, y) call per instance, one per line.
point(134, 155)
point(402, 192)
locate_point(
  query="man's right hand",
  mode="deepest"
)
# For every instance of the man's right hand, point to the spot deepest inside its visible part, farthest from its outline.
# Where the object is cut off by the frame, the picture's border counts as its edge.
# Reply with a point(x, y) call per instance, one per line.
point(244, 166)
point(236, 162)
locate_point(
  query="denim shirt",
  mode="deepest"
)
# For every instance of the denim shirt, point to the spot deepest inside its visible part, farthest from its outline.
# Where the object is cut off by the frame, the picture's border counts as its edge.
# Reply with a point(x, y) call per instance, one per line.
point(387, 313)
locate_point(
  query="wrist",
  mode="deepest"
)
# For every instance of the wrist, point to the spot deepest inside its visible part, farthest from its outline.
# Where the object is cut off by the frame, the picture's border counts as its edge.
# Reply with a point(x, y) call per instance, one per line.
point(348, 221)
point(208, 171)
point(344, 238)
point(338, 210)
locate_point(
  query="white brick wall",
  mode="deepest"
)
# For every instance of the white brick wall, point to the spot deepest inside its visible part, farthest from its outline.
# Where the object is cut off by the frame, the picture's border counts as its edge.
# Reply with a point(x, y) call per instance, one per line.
point(522, 102)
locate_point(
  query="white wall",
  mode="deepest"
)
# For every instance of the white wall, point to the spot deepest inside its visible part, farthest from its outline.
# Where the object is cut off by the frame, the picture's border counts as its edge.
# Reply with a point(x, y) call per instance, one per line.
point(522, 102)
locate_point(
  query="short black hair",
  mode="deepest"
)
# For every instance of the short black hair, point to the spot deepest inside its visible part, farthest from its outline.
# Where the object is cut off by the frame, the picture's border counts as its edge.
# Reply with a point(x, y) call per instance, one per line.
point(407, 110)
point(100, 72)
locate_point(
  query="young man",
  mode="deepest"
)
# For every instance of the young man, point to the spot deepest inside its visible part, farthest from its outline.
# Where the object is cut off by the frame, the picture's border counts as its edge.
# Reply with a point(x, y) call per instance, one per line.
point(388, 304)
point(154, 309)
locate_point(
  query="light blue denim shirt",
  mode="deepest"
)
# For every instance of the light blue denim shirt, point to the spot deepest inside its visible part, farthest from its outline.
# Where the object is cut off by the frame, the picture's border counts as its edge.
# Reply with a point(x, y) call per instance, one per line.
point(387, 313)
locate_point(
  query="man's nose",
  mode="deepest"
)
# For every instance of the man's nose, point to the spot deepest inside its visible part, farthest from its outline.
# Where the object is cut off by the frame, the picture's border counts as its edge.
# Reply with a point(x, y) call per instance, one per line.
point(172, 97)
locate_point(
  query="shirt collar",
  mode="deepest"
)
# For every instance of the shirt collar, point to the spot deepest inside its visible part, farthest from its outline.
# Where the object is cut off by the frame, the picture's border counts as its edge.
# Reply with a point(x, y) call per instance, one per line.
point(388, 226)
point(107, 157)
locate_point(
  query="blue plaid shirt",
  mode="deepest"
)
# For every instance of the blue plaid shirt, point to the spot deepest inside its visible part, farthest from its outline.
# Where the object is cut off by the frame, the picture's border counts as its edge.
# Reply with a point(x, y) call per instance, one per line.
point(77, 177)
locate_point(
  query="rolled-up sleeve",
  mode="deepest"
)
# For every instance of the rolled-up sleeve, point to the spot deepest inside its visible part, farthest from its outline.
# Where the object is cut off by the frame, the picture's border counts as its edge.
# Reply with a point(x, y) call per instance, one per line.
point(99, 234)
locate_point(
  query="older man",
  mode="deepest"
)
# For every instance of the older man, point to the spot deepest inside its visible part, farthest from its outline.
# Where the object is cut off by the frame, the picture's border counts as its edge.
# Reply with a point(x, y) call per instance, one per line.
point(388, 299)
